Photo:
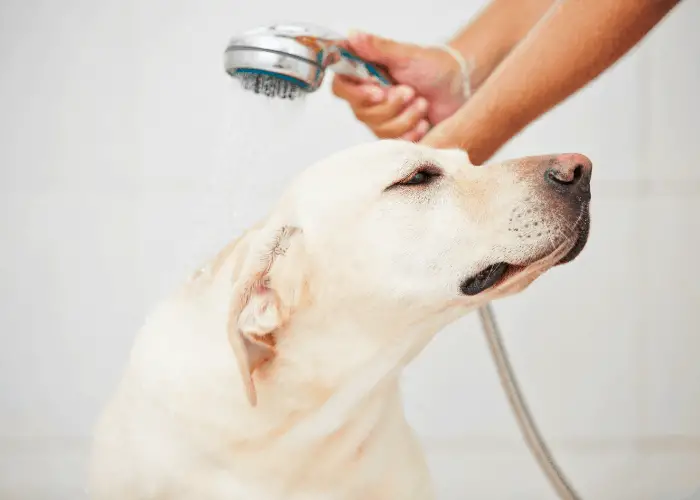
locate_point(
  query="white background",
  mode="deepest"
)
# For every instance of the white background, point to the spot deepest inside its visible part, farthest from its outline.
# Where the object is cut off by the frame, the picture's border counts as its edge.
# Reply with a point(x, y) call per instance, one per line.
point(128, 157)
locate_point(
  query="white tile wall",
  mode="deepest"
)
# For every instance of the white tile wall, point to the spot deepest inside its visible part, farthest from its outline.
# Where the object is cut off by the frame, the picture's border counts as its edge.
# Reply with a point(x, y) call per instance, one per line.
point(669, 251)
point(46, 469)
point(128, 157)
point(612, 473)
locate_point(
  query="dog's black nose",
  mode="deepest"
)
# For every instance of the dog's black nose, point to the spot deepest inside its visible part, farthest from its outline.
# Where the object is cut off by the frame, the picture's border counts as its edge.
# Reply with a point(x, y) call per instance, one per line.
point(569, 173)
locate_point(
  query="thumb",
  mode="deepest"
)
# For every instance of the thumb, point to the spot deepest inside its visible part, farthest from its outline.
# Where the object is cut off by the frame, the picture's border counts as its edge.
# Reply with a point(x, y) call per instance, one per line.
point(380, 50)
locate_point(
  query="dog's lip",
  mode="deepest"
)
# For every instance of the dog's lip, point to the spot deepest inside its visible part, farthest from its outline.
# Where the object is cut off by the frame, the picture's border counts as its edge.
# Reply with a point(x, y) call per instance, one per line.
point(578, 247)
point(513, 270)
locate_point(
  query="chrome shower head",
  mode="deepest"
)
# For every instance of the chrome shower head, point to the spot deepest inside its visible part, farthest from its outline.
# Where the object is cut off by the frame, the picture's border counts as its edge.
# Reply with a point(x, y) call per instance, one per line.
point(287, 61)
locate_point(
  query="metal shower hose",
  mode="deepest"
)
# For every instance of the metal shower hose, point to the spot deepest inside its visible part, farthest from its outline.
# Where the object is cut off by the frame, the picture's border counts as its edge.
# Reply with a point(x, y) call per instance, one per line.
point(517, 402)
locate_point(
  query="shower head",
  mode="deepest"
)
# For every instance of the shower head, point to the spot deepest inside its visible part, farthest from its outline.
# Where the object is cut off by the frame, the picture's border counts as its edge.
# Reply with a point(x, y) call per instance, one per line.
point(289, 60)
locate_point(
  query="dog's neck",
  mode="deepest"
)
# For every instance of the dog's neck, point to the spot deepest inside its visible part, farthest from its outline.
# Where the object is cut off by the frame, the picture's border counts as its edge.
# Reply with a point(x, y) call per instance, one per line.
point(316, 386)
point(339, 369)
point(320, 351)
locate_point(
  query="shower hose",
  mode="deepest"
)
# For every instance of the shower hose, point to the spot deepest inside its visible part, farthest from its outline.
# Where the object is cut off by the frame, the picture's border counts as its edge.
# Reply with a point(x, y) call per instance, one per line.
point(518, 405)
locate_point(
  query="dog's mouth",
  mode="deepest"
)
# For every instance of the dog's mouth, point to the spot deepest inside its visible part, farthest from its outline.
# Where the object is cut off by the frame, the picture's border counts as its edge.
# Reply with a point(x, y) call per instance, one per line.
point(487, 278)
point(500, 272)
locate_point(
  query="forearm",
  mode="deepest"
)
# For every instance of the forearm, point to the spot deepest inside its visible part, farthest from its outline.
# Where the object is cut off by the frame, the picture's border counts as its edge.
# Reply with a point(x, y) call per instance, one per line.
point(493, 33)
point(576, 42)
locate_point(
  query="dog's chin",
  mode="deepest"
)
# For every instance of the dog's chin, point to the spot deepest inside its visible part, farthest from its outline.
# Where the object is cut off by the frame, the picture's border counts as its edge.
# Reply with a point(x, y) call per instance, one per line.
point(578, 247)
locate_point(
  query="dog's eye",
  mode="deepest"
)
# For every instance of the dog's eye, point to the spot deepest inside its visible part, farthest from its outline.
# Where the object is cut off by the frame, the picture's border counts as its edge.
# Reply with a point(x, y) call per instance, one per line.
point(422, 176)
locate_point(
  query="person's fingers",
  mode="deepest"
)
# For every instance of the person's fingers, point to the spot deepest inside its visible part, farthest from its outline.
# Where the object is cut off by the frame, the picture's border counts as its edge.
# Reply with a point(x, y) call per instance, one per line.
point(418, 132)
point(380, 50)
point(397, 99)
point(403, 123)
point(357, 93)
point(389, 112)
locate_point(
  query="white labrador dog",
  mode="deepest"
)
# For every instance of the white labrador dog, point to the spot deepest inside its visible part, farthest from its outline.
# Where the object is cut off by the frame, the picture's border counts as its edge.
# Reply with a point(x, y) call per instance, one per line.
point(272, 374)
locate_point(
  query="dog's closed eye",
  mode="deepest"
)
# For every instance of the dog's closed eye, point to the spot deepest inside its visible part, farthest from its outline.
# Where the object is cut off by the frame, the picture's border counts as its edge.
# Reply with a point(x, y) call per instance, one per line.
point(422, 176)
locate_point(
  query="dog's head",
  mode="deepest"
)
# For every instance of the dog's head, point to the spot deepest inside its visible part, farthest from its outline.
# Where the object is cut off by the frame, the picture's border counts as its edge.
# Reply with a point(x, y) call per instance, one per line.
point(403, 231)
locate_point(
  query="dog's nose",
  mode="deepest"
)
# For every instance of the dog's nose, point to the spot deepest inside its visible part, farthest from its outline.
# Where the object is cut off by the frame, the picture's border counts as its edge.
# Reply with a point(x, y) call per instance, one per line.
point(569, 173)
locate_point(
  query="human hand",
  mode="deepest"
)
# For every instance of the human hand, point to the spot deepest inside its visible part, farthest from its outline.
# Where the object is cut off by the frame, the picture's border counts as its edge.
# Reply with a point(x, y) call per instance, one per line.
point(394, 112)
point(430, 87)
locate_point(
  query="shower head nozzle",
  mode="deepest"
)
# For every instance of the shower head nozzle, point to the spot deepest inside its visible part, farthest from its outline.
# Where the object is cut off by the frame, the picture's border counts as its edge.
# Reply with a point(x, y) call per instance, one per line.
point(290, 60)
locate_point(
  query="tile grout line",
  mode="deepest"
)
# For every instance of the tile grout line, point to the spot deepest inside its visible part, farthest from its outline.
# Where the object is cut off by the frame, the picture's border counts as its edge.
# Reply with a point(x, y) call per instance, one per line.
point(605, 189)
point(471, 443)
point(639, 445)
point(641, 348)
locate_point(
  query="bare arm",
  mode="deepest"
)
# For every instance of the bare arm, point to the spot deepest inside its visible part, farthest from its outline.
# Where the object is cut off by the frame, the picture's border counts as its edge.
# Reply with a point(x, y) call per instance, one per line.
point(431, 73)
point(572, 45)
point(493, 33)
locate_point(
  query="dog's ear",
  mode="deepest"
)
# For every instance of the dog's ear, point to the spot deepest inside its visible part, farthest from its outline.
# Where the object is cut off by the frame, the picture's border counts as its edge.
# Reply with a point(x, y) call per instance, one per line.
point(269, 284)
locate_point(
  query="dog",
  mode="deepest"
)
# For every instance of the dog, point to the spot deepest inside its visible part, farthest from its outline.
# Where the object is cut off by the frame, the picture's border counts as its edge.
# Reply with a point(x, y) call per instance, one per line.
point(273, 372)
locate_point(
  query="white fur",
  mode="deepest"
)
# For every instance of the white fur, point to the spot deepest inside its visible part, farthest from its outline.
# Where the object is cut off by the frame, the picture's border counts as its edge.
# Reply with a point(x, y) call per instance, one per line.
point(350, 282)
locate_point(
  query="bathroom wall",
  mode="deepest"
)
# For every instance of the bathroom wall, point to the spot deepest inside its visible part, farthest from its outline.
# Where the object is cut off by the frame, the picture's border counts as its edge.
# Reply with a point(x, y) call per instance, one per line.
point(128, 157)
